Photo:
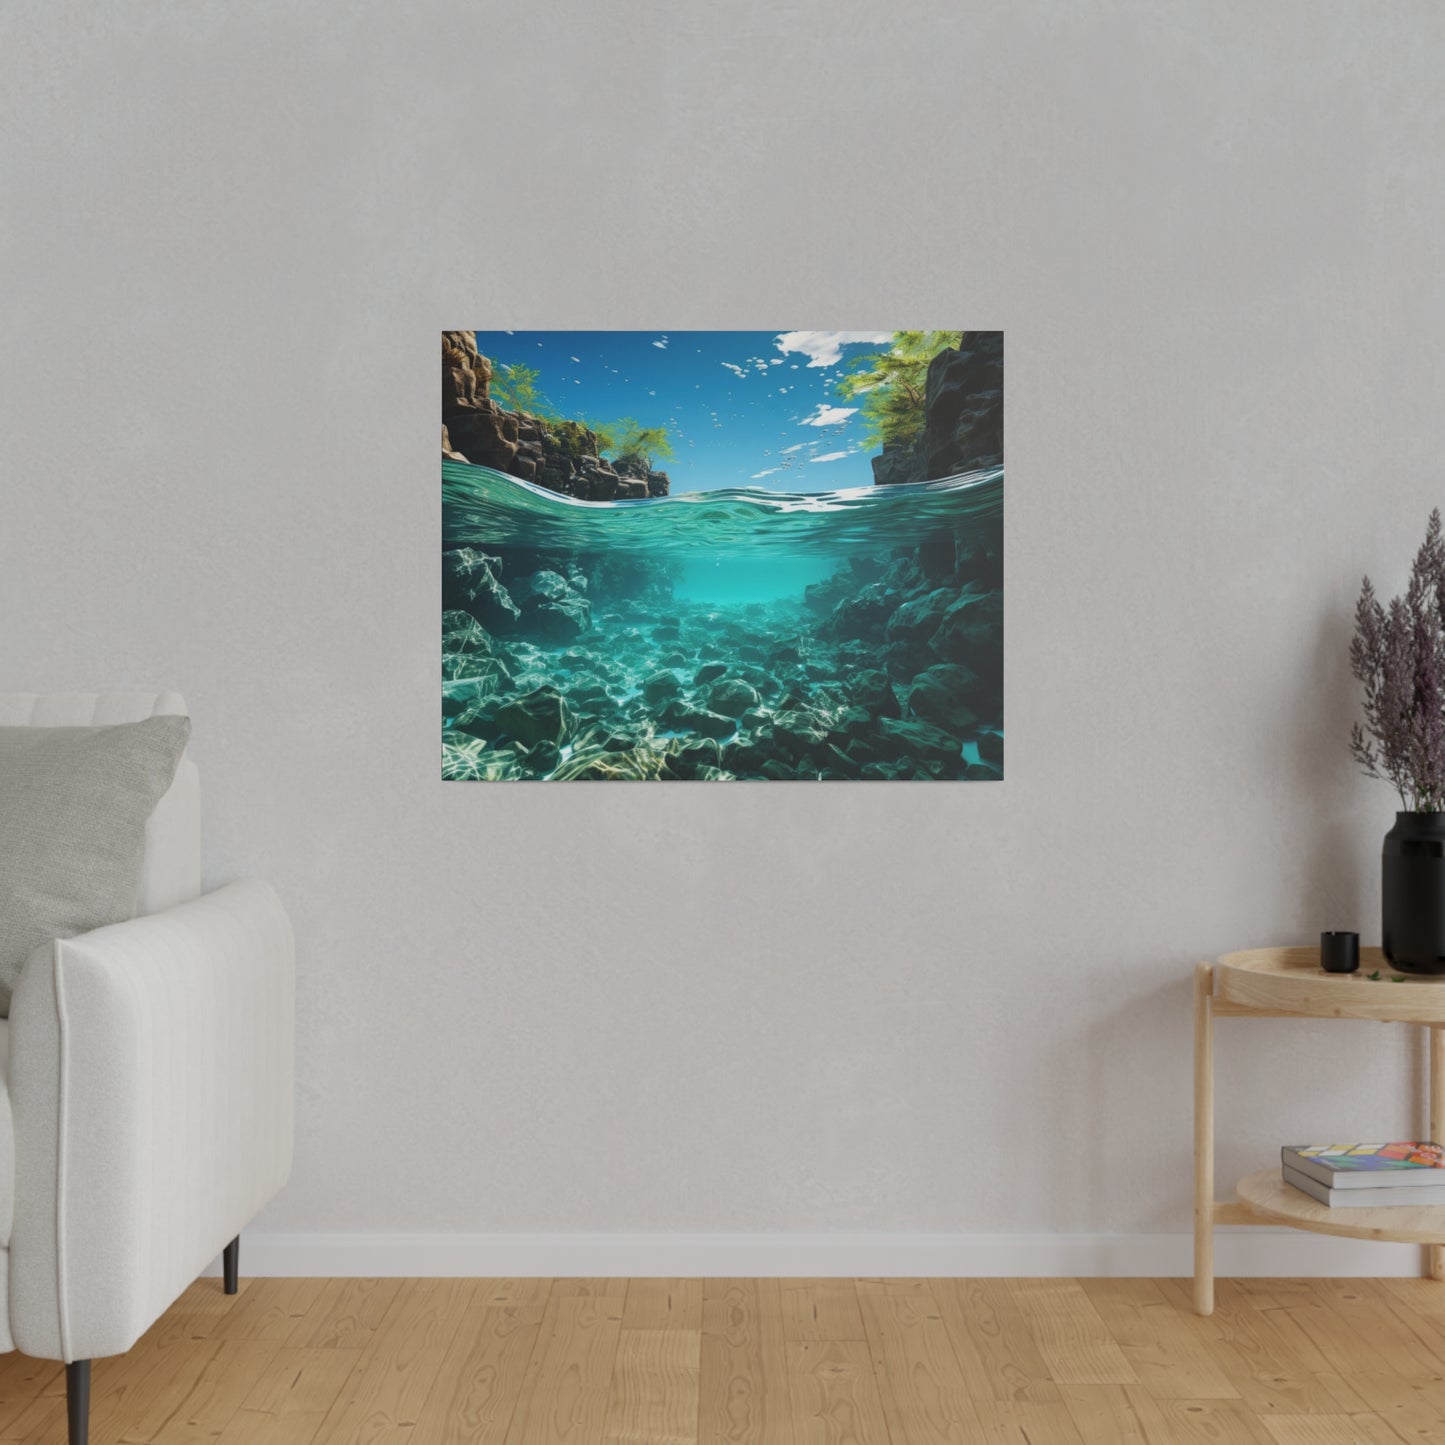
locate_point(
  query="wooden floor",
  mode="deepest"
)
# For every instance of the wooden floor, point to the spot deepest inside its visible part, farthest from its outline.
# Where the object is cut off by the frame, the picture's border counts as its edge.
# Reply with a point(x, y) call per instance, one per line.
point(765, 1362)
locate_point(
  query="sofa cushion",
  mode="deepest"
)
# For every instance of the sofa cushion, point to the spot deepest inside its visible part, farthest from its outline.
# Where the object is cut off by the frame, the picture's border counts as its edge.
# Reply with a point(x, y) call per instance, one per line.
point(73, 809)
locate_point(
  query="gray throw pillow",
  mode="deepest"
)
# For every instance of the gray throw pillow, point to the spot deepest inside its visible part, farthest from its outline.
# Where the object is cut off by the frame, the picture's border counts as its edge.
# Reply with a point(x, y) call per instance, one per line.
point(73, 809)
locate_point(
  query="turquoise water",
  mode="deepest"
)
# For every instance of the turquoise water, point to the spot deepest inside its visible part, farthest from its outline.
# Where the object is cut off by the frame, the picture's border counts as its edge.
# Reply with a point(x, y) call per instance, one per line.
point(489, 508)
point(723, 634)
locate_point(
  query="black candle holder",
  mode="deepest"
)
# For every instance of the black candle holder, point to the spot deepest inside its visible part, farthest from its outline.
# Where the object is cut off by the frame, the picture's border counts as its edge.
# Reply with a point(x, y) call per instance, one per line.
point(1340, 952)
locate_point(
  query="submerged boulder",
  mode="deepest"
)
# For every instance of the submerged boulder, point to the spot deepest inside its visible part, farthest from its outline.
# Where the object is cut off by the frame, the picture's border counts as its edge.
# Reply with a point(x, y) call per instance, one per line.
point(899, 736)
point(471, 582)
point(865, 613)
point(661, 687)
point(462, 633)
point(872, 691)
point(971, 629)
point(537, 715)
point(683, 718)
point(918, 620)
point(942, 695)
point(732, 697)
point(797, 733)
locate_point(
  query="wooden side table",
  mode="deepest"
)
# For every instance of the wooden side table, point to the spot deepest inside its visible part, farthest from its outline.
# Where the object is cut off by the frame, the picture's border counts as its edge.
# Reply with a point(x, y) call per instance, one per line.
point(1289, 983)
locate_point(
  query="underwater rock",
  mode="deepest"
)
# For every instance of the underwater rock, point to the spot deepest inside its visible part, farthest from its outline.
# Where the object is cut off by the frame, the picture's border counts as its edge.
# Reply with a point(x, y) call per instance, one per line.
point(865, 614)
point(544, 757)
point(464, 758)
point(941, 696)
point(971, 628)
point(797, 733)
point(871, 690)
point(634, 766)
point(470, 583)
point(487, 677)
point(551, 606)
point(569, 617)
point(462, 633)
point(704, 753)
point(661, 687)
point(990, 748)
point(745, 755)
point(905, 577)
point(543, 585)
point(963, 407)
point(823, 597)
point(540, 714)
point(699, 720)
point(709, 672)
point(907, 735)
point(733, 697)
point(916, 621)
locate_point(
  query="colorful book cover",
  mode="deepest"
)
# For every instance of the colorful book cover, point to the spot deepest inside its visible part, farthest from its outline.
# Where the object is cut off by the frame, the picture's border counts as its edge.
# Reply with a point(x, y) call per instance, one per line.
point(1367, 1158)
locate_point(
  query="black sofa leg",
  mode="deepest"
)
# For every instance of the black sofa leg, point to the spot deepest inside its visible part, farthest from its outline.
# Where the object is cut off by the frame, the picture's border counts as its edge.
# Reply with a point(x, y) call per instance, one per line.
point(77, 1401)
point(231, 1264)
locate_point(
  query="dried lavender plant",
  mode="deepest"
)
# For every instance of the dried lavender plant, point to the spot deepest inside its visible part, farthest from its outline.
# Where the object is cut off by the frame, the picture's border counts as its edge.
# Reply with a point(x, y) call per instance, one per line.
point(1398, 653)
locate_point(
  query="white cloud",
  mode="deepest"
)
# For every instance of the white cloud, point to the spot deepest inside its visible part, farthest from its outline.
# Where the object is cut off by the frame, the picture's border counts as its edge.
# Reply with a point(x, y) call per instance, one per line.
point(578, 360)
point(733, 367)
point(825, 348)
point(770, 471)
point(661, 345)
point(830, 457)
point(797, 448)
point(828, 415)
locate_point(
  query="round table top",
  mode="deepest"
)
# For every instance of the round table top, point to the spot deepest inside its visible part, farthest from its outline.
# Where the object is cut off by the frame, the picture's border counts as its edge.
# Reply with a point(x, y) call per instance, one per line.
point(1291, 981)
point(1267, 1195)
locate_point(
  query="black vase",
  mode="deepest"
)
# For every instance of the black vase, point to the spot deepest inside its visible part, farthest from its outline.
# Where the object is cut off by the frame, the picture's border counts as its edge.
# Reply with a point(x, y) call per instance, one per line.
point(1414, 893)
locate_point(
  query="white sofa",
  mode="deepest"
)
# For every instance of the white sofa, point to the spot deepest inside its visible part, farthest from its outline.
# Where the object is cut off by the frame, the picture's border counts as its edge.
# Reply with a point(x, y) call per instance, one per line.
point(147, 1070)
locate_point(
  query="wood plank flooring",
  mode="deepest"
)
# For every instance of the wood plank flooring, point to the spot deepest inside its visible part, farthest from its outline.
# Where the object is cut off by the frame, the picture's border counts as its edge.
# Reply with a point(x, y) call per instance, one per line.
point(764, 1362)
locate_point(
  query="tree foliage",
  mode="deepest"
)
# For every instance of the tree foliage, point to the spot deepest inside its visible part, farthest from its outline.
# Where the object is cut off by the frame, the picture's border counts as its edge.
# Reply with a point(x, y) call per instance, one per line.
point(893, 386)
point(515, 387)
point(650, 444)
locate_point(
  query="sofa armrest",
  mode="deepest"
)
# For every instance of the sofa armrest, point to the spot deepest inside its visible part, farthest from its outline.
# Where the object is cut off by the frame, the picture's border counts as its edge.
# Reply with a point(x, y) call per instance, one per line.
point(151, 1081)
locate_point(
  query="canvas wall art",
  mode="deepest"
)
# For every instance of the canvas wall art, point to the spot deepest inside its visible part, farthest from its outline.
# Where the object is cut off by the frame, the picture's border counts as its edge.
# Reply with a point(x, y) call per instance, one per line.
point(722, 556)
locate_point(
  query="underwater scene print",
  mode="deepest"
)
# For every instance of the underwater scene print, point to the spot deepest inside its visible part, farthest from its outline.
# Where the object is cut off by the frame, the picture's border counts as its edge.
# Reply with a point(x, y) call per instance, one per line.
point(722, 556)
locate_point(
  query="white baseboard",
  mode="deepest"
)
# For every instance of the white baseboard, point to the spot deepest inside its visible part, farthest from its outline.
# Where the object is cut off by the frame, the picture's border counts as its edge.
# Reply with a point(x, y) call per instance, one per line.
point(1240, 1252)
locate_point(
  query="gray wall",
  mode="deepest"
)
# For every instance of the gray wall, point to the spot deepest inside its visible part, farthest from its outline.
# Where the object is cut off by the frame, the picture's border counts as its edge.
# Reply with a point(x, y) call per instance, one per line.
point(230, 234)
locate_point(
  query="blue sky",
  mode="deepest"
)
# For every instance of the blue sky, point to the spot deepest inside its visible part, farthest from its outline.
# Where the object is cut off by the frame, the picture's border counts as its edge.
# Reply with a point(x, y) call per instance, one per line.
point(743, 408)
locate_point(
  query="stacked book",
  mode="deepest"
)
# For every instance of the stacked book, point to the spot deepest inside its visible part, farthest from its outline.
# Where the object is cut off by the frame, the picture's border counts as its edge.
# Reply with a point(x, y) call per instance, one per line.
point(1367, 1176)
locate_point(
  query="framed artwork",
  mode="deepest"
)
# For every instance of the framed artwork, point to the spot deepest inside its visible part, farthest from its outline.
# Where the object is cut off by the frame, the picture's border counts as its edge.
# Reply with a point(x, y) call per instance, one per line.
point(722, 556)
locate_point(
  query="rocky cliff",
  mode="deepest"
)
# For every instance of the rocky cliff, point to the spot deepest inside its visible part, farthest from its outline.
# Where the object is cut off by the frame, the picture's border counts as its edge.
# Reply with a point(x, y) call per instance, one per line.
point(963, 411)
point(559, 456)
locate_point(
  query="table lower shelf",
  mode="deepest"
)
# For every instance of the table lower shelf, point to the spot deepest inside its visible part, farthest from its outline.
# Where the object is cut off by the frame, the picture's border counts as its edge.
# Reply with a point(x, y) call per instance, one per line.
point(1268, 1197)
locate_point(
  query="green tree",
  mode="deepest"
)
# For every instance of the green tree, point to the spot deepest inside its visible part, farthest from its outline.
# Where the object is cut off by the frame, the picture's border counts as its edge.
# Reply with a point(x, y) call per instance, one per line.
point(628, 438)
point(893, 384)
point(607, 434)
point(515, 388)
